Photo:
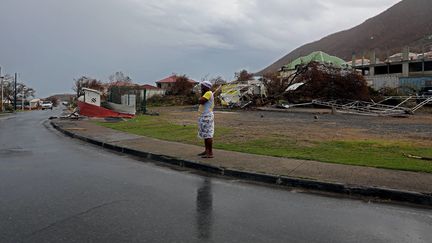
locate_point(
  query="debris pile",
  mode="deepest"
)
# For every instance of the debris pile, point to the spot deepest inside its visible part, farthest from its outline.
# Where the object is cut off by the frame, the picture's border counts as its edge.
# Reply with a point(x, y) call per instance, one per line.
point(240, 94)
point(319, 80)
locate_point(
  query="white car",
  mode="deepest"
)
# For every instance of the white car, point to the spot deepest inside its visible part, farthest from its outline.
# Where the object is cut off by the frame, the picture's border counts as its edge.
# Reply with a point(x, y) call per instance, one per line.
point(47, 105)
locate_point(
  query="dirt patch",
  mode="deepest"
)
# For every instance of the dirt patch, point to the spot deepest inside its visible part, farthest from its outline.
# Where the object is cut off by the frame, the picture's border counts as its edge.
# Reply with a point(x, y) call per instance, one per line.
point(308, 127)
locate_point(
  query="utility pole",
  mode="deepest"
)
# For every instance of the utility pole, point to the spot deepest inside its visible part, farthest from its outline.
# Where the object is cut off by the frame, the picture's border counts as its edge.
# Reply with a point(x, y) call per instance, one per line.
point(15, 93)
point(2, 100)
point(22, 99)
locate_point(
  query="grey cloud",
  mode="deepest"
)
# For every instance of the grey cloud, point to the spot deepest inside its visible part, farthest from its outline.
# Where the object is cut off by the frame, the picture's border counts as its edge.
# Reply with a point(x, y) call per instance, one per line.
point(50, 42)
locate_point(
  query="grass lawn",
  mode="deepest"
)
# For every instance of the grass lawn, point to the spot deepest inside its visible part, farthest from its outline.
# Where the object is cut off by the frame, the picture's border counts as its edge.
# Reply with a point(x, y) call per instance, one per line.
point(373, 153)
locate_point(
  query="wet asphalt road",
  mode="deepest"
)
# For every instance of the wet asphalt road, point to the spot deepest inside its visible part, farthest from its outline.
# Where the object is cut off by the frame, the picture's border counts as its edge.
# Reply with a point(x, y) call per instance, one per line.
point(57, 189)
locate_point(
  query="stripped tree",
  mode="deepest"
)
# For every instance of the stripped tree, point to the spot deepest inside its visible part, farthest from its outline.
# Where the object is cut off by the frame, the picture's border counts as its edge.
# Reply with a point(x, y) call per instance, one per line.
point(182, 86)
point(87, 82)
point(320, 81)
point(323, 81)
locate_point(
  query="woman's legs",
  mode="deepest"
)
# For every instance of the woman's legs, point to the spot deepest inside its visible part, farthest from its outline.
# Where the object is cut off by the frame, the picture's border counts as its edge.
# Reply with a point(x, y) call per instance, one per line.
point(208, 143)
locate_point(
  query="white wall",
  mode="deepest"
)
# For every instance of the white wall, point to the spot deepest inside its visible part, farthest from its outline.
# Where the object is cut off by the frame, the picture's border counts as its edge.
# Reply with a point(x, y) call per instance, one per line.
point(90, 97)
point(380, 81)
point(152, 92)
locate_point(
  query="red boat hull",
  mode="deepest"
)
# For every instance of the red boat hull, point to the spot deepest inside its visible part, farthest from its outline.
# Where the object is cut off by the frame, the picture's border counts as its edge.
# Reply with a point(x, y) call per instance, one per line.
point(86, 109)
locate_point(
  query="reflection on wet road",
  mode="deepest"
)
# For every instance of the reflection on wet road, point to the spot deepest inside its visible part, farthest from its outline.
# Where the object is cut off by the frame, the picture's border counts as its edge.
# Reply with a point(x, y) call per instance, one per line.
point(57, 189)
point(204, 209)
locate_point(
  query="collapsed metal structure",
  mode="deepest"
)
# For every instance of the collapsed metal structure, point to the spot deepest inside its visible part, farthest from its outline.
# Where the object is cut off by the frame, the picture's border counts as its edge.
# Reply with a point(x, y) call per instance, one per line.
point(376, 108)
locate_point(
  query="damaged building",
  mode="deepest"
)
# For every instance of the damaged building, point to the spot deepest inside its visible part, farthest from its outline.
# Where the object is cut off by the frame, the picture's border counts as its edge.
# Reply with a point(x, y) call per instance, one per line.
point(242, 93)
point(406, 71)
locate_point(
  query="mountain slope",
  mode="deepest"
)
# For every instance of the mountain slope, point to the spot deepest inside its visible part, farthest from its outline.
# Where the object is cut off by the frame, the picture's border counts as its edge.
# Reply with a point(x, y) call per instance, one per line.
point(406, 23)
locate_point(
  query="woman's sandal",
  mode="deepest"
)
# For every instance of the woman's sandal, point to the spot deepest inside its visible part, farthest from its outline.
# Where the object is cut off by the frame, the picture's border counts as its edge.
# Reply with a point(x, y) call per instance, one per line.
point(202, 154)
point(207, 156)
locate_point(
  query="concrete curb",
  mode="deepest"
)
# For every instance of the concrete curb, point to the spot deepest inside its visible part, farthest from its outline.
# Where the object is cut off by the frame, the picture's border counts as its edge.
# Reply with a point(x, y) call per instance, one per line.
point(373, 192)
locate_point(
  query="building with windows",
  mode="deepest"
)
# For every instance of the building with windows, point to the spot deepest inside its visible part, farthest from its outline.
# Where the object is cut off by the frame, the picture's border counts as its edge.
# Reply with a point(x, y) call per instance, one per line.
point(406, 70)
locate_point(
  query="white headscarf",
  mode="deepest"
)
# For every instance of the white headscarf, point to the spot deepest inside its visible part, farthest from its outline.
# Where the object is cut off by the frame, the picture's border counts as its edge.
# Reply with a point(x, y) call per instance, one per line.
point(207, 84)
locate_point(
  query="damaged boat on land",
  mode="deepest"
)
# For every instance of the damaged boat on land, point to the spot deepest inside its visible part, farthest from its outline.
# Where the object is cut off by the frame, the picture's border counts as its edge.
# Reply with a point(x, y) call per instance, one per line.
point(89, 104)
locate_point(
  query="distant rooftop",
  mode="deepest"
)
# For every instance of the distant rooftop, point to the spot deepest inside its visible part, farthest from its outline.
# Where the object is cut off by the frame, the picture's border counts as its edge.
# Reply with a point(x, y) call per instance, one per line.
point(317, 56)
point(148, 87)
point(172, 79)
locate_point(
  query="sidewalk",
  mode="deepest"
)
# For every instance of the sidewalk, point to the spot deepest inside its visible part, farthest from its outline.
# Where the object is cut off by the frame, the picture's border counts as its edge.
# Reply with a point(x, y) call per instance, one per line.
point(385, 184)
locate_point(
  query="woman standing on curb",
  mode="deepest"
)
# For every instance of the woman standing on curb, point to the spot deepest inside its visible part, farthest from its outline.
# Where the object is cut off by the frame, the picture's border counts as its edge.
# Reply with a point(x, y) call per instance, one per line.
point(206, 119)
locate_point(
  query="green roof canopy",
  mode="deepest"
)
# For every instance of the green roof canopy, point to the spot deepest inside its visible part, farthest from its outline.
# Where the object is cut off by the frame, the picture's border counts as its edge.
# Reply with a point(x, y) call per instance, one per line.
point(317, 56)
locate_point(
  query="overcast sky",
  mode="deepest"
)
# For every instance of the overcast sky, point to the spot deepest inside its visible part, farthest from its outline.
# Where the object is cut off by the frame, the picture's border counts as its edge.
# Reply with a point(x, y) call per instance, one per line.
point(51, 42)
